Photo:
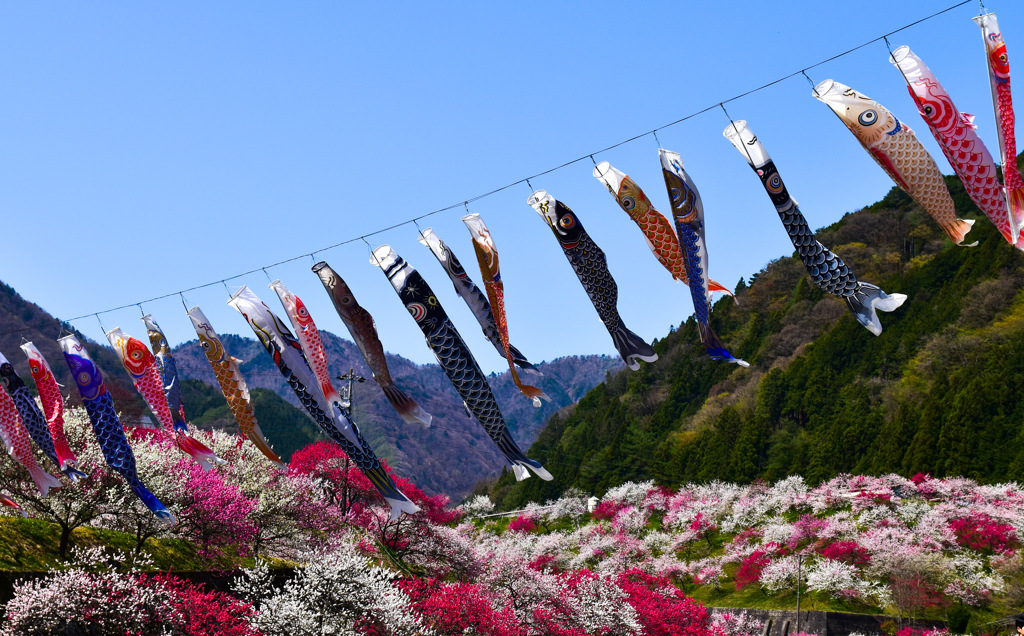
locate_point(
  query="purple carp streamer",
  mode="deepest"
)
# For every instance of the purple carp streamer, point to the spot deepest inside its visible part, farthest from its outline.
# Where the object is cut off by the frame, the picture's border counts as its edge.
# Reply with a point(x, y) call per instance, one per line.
point(454, 357)
point(364, 332)
point(232, 384)
point(827, 270)
point(286, 352)
point(105, 425)
point(688, 213)
point(658, 232)
point(487, 258)
point(1002, 101)
point(32, 419)
point(893, 145)
point(17, 444)
point(591, 267)
point(53, 404)
point(469, 292)
point(959, 141)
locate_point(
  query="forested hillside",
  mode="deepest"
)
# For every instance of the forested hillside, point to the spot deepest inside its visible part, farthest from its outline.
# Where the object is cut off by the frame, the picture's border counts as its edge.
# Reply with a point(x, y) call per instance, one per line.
point(938, 392)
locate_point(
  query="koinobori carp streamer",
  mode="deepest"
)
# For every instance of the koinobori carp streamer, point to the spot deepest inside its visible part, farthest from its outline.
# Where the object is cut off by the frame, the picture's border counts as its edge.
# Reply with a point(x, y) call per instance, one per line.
point(469, 292)
point(658, 232)
point(827, 270)
point(18, 445)
point(454, 357)
point(688, 214)
point(168, 371)
point(487, 258)
point(99, 406)
point(1002, 101)
point(286, 352)
point(364, 333)
point(956, 135)
point(591, 267)
point(32, 419)
point(142, 368)
point(232, 384)
point(53, 404)
point(893, 145)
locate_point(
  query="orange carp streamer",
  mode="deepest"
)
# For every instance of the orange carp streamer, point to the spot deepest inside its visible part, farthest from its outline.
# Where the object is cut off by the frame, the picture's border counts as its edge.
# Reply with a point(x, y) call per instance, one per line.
point(487, 257)
point(232, 384)
point(658, 232)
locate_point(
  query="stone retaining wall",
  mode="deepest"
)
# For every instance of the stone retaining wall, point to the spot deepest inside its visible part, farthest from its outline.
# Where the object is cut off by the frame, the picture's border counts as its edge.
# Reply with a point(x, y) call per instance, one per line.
point(784, 622)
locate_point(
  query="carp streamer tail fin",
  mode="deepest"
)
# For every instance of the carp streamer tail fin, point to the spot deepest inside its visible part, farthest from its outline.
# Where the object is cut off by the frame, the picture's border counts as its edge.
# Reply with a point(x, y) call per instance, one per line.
point(632, 347)
point(44, 481)
point(407, 408)
point(386, 487)
point(957, 229)
point(69, 469)
point(153, 503)
point(196, 450)
point(520, 462)
point(867, 300)
point(715, 348)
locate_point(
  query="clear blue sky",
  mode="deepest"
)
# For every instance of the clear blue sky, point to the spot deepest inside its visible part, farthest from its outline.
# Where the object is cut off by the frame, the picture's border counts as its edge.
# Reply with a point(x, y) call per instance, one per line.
point(151, 147)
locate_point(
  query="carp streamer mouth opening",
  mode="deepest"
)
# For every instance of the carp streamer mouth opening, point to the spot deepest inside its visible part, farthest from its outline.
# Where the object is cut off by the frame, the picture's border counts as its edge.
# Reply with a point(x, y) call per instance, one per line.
point(824, 87)
point(900, 54)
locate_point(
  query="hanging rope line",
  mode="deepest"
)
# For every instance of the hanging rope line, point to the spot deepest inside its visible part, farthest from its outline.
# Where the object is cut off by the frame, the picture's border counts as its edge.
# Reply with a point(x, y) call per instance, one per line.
point(526, 180)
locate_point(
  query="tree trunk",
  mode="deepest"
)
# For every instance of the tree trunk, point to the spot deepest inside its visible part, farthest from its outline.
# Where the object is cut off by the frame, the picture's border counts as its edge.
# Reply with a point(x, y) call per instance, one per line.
point(65, 540)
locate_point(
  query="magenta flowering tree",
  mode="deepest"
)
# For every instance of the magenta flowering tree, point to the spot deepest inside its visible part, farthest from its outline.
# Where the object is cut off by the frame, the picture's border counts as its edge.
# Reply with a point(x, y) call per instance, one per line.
point(522, 523)
point(981, 533)
point(212, 513)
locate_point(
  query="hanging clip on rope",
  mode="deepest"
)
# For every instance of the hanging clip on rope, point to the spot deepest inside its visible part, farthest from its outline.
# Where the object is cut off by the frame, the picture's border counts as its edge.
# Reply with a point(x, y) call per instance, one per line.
point(737, 131)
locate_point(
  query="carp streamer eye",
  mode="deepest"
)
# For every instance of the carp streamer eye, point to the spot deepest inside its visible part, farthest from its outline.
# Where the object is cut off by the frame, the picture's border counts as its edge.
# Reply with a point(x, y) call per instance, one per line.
point(868, 117)
point(418, 311)
point(84, 378)
point(567, 221)
point(628, 203)
point(346, 300)
point(775, 183)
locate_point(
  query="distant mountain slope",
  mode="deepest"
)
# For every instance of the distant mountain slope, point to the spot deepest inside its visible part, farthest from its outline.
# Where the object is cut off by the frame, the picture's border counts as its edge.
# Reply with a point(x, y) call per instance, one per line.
point(451, 457)
point(22, 320)
point(939, 391)
point(455, 453)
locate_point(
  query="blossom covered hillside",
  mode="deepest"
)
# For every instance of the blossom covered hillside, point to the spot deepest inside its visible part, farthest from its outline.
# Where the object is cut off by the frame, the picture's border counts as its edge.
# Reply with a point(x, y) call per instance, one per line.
point(907, 547)
point(641, 563)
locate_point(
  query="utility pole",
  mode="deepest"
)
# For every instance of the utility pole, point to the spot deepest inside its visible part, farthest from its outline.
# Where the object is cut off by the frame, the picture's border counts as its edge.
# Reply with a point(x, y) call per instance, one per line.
point(346, 409)
point(799, 563)
point(346, 398)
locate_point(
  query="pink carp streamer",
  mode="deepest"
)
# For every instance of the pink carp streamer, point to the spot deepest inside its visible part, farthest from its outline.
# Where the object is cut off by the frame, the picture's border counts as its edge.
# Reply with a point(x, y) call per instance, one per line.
point(487, 258)
point(232, 384)
point(309, 340)
point(1002, 101)
point(959, 141)
point(10, 503)
point(141, 366)
point(16, 441)
point(658, 232)
point(895, 147)
point(53, 404)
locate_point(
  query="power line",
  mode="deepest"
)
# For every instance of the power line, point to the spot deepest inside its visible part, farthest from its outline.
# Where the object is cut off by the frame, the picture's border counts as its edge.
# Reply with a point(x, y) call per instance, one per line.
point(526, 180)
